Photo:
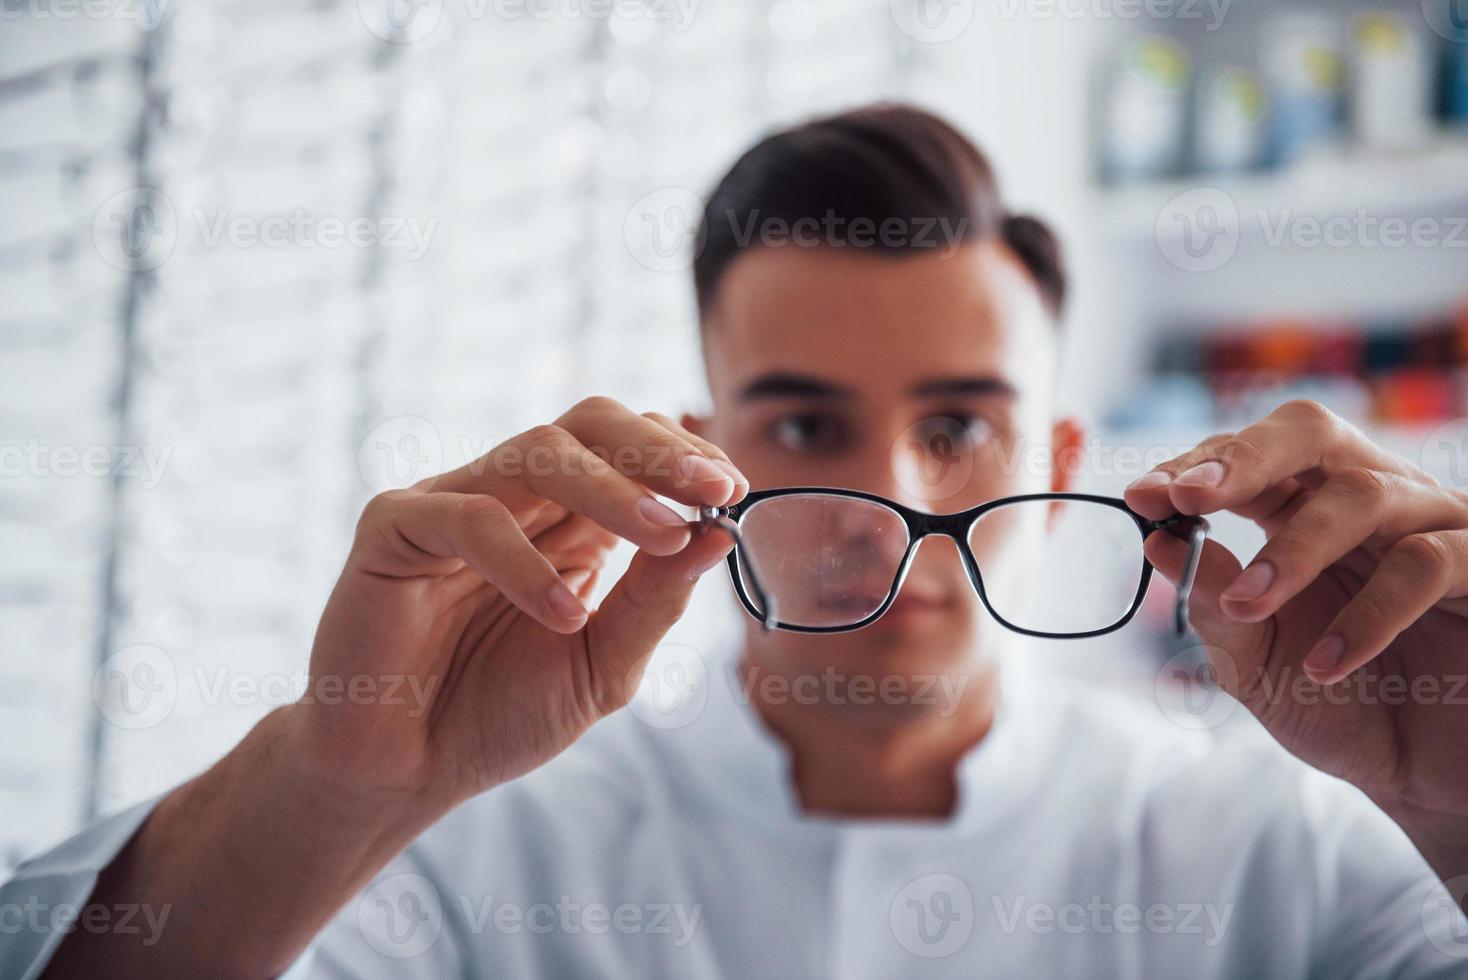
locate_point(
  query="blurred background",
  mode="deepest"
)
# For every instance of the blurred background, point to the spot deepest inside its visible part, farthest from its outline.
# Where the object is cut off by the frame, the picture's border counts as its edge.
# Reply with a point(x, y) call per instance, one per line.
point(261, 260)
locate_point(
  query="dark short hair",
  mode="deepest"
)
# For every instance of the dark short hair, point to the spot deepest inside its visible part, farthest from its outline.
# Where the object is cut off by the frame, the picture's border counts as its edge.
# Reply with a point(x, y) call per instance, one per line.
point(884, 166)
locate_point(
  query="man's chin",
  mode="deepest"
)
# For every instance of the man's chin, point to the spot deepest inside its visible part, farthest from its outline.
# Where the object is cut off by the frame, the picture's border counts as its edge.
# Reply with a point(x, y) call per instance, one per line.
point(898, 658)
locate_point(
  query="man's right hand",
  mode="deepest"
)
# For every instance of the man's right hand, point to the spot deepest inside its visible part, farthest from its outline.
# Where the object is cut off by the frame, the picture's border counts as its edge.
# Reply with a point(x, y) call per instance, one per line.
point(455, 653)
point(471, 585)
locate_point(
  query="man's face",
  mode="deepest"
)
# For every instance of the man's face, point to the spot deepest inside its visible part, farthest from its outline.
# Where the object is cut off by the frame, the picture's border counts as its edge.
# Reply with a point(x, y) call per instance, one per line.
point(925, 378)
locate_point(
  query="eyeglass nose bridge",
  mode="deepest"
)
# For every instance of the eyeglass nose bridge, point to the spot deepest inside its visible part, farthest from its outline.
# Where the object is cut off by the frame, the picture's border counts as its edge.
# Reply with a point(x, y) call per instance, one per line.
point(955, 526)
point(920, 525)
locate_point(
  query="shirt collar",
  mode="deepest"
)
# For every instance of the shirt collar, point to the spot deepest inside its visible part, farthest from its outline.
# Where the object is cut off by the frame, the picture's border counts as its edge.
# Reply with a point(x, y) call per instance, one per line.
point(737, 764)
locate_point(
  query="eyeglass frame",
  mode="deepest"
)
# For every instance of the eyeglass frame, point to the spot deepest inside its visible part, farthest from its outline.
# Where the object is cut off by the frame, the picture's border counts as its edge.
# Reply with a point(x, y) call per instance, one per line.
point(957, 526)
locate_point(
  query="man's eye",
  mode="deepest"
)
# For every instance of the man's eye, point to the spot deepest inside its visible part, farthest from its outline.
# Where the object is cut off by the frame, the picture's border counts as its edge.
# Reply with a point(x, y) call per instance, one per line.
point(808, 432)
point(953, 432)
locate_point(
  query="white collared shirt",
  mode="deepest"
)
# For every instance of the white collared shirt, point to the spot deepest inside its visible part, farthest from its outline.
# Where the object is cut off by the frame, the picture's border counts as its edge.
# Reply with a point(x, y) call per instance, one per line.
point(1091, 839)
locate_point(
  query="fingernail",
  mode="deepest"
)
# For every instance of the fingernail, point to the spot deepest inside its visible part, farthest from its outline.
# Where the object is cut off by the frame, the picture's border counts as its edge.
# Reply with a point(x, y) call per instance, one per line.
point(563, 602)
point(700, 469)
point(655, 513)
point(1157, 478)
point(733, 471)
point(1209, 474)
point(1252, 582)
point(1325, 656)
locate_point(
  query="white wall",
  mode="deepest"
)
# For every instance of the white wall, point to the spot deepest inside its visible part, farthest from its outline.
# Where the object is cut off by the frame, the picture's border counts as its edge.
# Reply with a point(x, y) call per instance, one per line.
point(267, 382)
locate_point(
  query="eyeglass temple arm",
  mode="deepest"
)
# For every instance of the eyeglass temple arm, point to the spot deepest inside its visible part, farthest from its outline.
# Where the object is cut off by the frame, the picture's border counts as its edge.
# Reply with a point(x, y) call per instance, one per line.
point(711, 517)
point(1194, 530)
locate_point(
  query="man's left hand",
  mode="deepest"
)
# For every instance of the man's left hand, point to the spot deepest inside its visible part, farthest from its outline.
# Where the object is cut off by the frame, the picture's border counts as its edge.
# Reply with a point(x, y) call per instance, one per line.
point(1347, 634)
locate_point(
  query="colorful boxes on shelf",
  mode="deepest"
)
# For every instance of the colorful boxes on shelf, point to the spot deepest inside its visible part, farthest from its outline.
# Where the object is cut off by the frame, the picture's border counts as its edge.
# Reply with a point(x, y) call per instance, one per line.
point(1386, 373)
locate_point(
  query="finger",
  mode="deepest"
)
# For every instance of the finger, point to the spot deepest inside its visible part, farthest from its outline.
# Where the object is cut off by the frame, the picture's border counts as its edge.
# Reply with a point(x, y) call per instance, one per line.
point(651, 453)
point(575, 541)
point(1300, 439)
point(1148, 494)
point(550, 464)
point(1414, 575)
point(1269, 510)
point(1354, 506)
point(1151, 495)
point(578, 550)
point(663, 460)
point(648, 599)
point(405, 534)
point(1242, 644)
point(713, 452)
point(582, 581)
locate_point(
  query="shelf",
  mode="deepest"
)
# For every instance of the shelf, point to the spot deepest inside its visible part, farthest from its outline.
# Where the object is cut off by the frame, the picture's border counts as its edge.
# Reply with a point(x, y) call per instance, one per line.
point(1336, 181)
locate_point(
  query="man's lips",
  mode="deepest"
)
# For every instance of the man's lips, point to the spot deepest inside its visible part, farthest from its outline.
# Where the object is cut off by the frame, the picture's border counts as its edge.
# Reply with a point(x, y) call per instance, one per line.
point(908, 606)
point(863, 603)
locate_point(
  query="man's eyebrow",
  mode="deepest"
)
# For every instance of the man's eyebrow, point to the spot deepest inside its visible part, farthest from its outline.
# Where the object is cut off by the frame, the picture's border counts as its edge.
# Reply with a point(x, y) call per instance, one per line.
point(974, 385)
point(783, 384)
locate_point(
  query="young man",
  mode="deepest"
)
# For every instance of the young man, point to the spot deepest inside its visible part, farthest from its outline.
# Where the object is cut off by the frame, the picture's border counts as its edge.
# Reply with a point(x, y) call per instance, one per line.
point(1015, 827)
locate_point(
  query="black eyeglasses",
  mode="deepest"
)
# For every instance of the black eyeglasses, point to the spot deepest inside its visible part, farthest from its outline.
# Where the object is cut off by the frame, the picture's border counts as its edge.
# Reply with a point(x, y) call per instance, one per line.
point(823, 560)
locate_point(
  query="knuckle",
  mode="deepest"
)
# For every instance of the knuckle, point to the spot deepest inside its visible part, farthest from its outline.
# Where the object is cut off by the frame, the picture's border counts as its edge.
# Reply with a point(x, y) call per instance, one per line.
point(377, 514)
point(613, 694)
point(1424, 556)
point(377, 509)
point(545, 434)
point(1205, 450)
point(543, 451)
point(523, 568)
point(1240, 452)
point(1293, 542)
point(1309, 413)
point(1458, 502)
point(481, 512)
point(1368, 608)
point(1362, 485)
point(593, 405)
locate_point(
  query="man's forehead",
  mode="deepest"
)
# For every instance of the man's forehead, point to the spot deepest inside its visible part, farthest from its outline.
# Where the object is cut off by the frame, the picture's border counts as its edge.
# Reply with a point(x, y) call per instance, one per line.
point(868, 322)
point(888, 286)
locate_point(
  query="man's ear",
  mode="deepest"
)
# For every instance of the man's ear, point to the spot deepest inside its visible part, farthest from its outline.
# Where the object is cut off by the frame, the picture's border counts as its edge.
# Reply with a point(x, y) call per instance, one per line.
point(1067, 437)
point(697, 424)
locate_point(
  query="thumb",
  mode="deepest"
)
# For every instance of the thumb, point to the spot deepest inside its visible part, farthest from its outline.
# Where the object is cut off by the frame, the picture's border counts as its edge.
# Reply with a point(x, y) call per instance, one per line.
point(1235, 650)
point(648, 599)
